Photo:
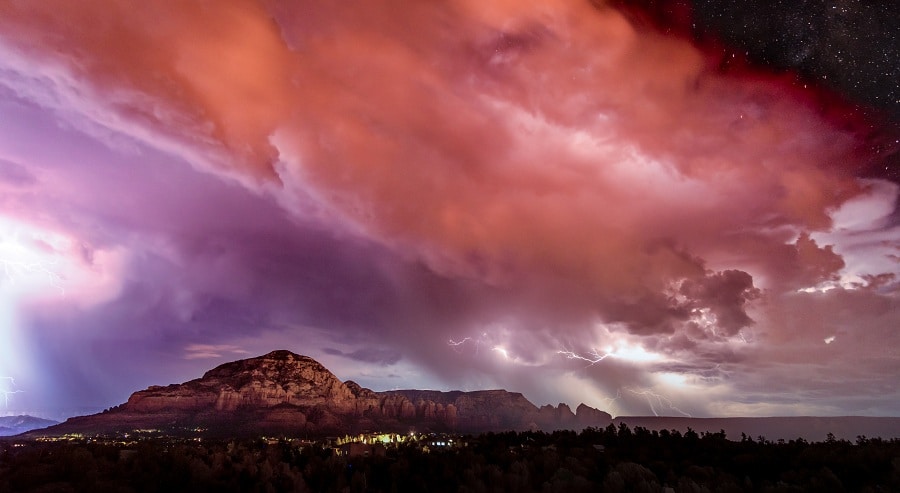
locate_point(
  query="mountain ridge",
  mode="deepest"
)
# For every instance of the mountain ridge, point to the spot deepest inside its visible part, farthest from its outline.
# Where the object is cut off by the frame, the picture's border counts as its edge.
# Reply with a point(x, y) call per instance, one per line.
point(21, 423)
point(285, 392)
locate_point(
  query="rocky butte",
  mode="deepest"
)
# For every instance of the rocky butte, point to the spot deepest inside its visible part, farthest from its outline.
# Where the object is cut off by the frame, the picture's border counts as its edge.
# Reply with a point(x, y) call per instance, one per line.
point(284, 392)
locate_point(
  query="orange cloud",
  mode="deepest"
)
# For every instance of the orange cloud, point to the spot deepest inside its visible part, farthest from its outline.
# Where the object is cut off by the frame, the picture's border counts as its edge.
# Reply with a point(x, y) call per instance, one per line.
point(515, 144)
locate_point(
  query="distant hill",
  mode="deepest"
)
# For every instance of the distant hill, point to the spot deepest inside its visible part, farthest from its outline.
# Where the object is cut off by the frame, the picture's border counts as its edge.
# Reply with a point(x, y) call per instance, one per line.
point(283, 392)
point(810, 428)
point(14, 425)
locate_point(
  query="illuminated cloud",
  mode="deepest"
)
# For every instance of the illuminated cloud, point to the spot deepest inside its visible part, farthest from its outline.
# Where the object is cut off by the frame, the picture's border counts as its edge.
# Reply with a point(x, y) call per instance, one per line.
point(206, 351)
point(366, 183)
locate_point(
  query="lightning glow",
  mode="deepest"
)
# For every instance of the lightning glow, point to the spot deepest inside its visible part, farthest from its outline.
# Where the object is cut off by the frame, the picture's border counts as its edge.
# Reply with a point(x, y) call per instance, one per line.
point(460, 342)
point(8, 389)
point(13, 270)
point(625, 351)
point(673, 379)
point(594, 357)
point(31, 268)
point(655, 400)
point(17, 262)
point(488, 339)
point(44, 265)
point(477, 342)
point(32, 255)
point(609, 403)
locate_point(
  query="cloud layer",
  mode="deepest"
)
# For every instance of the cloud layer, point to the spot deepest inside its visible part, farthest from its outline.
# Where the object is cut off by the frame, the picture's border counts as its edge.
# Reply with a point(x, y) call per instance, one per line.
point(539, 196)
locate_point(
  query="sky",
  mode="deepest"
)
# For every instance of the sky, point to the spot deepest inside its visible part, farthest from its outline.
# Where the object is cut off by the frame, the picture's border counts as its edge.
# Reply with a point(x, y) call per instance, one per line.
point(651, 207)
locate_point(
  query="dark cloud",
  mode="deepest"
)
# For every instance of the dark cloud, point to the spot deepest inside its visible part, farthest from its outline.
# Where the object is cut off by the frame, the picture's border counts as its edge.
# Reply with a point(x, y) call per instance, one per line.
point(379, 356)
point(726, 294)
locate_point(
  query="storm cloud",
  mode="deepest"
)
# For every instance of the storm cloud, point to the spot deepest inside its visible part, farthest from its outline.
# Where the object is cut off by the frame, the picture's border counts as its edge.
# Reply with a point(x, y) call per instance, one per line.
point(543, 196)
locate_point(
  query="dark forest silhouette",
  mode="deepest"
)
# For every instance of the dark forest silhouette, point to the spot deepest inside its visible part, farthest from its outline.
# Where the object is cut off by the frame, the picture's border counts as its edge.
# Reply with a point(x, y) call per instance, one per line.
point(614, 459)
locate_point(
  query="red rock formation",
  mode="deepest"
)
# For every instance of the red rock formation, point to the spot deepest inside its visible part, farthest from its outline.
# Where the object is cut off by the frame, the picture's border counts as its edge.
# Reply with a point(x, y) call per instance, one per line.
point(588, 416)
point(286, 392)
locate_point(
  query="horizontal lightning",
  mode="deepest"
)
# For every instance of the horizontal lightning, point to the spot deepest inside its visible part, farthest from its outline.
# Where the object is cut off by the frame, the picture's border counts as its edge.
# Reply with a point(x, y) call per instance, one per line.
point(594, 357)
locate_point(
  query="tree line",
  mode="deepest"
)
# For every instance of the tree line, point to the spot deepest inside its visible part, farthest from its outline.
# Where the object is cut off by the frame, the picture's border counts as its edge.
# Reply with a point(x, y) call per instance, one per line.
point(613, 459)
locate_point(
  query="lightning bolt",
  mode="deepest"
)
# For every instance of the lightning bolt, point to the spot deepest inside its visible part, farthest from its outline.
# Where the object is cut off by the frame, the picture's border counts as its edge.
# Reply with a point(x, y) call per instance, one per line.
point(503, 352)
point(477, 342)
point(13, 269)
point(483, 340)
point(609, 402)
point(460, 342)
point(7, 392)
point(18, 259)
point(594, 357)
point(654, 400)
point(625, 350)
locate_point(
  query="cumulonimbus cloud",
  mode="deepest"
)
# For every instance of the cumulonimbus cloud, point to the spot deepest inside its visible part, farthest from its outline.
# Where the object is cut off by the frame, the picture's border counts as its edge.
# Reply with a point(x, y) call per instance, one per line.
point(576, 168)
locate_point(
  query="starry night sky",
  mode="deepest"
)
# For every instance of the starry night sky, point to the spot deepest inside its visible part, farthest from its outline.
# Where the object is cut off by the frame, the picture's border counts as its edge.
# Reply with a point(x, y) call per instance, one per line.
point(850, 49)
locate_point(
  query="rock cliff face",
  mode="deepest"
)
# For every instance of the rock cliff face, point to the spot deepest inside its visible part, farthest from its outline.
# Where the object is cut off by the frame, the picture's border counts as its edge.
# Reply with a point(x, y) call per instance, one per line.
point(278, 378)
point(286, 392)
